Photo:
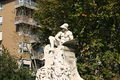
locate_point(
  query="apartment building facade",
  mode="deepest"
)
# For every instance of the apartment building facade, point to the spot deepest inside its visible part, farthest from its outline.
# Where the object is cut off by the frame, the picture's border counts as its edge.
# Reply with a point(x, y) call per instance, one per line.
point(17, 28)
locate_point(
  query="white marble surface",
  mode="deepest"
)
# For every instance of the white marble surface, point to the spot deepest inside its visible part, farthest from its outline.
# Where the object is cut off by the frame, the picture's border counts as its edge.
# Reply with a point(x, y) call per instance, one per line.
point(60, 64)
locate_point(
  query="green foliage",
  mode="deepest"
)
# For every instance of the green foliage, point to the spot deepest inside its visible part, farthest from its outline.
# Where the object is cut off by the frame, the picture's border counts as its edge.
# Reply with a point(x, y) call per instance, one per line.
point(96, 26)
point(9, 68)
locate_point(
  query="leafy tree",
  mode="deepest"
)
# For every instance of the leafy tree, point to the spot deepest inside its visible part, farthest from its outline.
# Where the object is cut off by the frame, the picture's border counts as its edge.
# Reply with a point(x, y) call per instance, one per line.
point(96, 26)
point(9, 68)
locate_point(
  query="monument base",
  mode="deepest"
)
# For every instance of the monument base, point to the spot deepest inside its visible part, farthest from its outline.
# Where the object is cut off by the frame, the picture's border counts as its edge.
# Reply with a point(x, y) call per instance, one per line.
point(60, 64)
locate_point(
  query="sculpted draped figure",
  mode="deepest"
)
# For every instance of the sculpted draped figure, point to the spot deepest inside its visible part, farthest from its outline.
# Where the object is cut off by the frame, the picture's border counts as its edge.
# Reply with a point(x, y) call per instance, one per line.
point(61, 37)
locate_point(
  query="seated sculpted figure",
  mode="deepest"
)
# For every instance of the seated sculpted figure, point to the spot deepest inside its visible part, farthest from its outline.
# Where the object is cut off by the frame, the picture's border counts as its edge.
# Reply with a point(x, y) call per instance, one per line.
point(61, 37)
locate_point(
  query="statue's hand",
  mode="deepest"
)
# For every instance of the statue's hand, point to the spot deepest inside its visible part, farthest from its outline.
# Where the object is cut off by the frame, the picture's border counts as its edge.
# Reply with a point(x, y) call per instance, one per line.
point(61, 42)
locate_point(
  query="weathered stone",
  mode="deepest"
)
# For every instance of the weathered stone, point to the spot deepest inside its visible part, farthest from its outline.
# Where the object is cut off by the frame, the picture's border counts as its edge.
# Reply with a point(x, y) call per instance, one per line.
point(60, 64)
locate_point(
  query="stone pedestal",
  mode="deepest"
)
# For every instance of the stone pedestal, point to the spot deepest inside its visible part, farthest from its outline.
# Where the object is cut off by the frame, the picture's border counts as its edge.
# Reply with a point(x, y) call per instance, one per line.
point(60, 64)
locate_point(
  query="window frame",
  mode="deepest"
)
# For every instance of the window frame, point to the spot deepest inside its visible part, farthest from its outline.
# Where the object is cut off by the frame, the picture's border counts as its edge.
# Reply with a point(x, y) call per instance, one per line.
point(23, 47)
point(1, 5)
point(1, 35)
point(1, 20)
point(22, 63)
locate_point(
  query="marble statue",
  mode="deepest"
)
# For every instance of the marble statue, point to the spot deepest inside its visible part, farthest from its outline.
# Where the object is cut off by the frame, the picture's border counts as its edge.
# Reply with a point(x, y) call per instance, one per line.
point(60, 63)
point(61, 37)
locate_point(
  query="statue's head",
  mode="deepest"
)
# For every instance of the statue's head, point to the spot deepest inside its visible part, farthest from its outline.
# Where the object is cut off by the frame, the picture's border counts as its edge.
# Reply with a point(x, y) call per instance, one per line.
point(64, 26)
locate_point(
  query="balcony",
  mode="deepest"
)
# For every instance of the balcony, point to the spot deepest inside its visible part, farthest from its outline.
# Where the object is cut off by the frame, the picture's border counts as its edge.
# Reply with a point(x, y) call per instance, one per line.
point(26, 3)
point(1, 47)
point(25, 20)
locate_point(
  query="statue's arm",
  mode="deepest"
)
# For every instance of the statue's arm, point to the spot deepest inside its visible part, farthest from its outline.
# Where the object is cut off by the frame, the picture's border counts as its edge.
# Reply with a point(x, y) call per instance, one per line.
point(57, 36)
point(71, 35)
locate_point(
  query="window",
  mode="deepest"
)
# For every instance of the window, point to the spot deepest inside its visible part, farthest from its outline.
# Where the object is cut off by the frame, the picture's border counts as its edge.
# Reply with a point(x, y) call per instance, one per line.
point(1, 6)
point(27, 1)
point(1, 19)
point(0, 41)
point(24, 30)
point(23, 47)
point(0, 35)
point(24, 63)
point(20, 1)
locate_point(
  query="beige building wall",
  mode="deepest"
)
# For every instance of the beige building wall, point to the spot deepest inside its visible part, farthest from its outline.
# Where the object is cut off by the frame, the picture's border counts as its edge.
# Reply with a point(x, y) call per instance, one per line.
point(10, 36)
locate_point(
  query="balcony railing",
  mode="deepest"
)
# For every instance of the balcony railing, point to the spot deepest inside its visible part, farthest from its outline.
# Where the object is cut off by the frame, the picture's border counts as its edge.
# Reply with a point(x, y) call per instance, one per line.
point(25, 20)
point(31, 4)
